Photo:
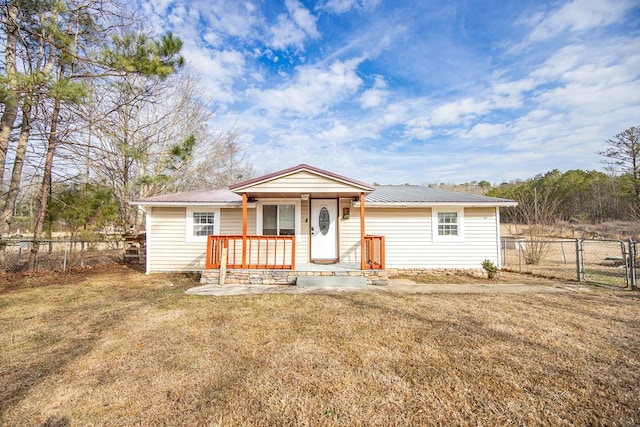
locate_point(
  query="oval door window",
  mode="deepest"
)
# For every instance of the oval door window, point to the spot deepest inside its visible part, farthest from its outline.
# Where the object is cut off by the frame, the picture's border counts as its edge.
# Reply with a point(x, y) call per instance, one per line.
point(324, 221)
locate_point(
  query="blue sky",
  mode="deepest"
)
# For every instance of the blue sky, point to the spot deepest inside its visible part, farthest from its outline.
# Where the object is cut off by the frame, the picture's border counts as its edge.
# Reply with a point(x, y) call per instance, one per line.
point(415, 91)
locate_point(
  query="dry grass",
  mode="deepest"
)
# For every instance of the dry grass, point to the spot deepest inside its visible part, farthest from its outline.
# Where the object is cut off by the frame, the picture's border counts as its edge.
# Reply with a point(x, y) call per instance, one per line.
point(118, 348)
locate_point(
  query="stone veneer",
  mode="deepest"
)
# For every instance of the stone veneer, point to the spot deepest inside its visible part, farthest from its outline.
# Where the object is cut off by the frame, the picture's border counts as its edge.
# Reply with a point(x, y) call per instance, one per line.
point(285, 277)
point(288, 277)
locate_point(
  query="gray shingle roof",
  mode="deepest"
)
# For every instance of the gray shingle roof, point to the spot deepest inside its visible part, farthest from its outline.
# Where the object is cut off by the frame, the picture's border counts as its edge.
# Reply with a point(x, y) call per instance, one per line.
point(422, 194)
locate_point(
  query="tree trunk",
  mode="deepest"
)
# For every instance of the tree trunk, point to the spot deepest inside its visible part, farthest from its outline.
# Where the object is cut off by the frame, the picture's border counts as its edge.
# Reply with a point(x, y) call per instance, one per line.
point(12, 99)
point(16, 175)
point(45, 189)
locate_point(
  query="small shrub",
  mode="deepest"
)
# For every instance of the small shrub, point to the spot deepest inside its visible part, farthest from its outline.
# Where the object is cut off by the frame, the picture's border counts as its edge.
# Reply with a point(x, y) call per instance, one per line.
point(490, 268)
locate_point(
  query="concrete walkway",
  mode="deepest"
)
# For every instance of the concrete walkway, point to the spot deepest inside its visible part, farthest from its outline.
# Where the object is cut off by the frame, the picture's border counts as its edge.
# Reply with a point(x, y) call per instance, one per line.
point(401, 286)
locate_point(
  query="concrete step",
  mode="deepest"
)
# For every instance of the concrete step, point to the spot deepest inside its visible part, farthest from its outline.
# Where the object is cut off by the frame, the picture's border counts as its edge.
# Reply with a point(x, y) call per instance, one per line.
point(331, 281)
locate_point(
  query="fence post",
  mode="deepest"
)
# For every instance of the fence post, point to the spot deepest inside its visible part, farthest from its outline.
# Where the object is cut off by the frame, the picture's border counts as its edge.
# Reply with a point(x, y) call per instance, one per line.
point(66, 251)
point(632, 264)
point(504, 251)
point(520, 256)
point(578, 260)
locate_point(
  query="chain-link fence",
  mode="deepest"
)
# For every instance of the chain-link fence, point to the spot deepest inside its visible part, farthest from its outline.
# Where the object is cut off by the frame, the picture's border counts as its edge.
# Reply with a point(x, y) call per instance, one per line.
point(604, 262)
point(62, 254)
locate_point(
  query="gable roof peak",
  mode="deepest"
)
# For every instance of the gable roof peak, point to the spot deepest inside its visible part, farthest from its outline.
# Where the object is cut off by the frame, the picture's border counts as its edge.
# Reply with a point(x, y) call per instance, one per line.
point(300, 168)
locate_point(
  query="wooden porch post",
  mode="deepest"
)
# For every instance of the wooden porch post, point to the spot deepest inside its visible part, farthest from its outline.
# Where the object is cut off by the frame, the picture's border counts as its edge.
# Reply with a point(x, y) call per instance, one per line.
point(363, 261)
point(244, 230)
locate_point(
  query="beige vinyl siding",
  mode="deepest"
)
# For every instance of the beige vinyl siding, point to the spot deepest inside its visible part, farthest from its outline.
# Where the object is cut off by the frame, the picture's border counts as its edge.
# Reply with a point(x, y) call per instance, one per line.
point(349, 233)
point(407, 231)
point(300, 182)
point(302, 241)
point(409, 239)
point(166, 246)
point(231, 221)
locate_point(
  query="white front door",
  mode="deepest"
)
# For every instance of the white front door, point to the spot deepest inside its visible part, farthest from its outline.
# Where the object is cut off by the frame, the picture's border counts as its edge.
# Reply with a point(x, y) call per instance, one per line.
point(324, 229)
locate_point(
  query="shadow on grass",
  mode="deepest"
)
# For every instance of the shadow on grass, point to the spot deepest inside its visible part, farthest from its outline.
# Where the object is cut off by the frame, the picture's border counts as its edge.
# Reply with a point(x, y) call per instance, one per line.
point(19, 382)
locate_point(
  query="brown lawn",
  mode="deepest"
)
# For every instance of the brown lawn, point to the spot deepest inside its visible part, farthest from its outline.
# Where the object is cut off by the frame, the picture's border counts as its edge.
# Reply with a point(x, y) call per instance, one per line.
point(115, 347)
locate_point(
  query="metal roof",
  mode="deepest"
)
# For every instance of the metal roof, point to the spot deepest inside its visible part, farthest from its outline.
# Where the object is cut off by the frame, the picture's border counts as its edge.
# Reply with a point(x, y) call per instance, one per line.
point(382, 195)
point(420, 194)
point(218, 195)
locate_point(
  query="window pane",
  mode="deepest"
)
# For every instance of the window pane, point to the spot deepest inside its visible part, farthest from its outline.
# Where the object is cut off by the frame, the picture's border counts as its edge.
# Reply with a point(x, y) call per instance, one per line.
point(447, 223)
point(287, 220)
point(203, 223)
point(270, 220)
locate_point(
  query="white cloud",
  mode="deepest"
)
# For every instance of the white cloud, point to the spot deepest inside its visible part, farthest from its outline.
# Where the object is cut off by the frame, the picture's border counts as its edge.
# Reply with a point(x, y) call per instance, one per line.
point(285, 33)
point(158, 6)
point(314, 90)
point(291, 30)
point(218, 68)
point(418, 132)
point(580, 15)
point(338, 132)
point(343, 6)
point(456, 112)
point(486, 130)
point(376, 95)
point(302, 17)
point(229, 18)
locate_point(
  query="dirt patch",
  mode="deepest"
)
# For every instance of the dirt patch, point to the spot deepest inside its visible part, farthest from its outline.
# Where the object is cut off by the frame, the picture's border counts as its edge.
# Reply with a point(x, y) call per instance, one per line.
point(503, 277)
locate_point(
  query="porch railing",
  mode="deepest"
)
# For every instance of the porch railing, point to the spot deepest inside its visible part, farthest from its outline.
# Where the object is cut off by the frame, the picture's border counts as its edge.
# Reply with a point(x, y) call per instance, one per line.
point(260, 252)
point(374, 252)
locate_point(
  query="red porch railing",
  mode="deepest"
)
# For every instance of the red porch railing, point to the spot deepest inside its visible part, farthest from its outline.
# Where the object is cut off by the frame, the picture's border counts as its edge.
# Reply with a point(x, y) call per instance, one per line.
point(261, 252)
point(374, 252)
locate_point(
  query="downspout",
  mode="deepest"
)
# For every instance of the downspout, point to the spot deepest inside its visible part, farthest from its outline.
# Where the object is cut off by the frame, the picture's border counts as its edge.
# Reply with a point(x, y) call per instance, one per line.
point(363, 261)
point(498, 257)
point(147, 230)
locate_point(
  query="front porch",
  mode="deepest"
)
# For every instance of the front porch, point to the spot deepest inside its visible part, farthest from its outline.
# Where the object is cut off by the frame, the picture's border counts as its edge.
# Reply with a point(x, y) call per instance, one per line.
point(270, 260)
point(303, 223)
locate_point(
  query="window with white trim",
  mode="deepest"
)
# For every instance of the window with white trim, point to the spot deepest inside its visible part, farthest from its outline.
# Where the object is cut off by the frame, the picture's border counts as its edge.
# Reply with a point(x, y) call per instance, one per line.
point(202, 222)
point(278, 217)
point(447, 224)
point(278, 220)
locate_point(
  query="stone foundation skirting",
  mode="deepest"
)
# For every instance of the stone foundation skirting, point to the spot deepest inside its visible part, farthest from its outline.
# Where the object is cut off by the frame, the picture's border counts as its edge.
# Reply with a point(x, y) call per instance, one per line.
point(285, 277)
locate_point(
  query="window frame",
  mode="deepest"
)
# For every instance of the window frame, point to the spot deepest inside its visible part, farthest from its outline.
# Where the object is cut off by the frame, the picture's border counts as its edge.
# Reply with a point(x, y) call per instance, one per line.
point(269, 202)
point(437, 237)
point(192, 238)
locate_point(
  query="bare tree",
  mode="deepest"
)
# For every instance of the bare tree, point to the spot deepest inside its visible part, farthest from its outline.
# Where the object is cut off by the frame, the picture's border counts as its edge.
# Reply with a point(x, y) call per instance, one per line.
point(219, 161)
point(538, 210)
point(145, 132)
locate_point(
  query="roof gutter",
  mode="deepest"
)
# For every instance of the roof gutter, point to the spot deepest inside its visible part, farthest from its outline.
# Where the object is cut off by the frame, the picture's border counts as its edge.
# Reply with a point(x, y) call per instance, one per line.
point(183, 204)
point(434, 204)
